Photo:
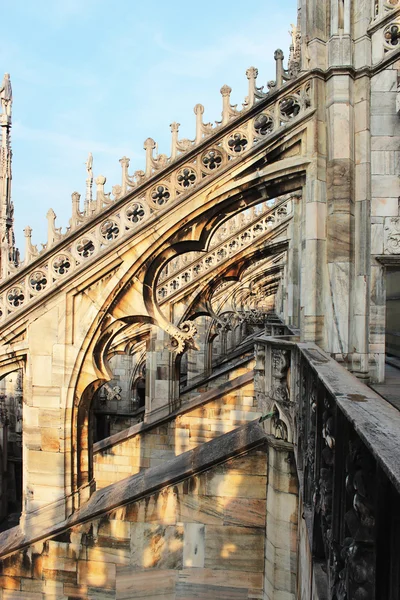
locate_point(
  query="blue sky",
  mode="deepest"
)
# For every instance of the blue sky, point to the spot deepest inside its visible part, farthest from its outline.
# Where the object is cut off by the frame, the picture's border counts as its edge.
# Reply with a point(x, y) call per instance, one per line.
point(99, 76)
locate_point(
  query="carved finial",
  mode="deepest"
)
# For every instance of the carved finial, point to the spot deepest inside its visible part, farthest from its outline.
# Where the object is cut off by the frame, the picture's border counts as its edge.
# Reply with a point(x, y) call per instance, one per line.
point(124, 162)
point(89, 184)
point(100, 196)
point(30, 251)
point(149, 145)
point(294, 61)
point(251, 74)
point(174, 141)
point(228, 111)
point(226, 93)
point(53, 234)
point(199, 111)
point(77, 216)
point(100, 181)
point(278, 56)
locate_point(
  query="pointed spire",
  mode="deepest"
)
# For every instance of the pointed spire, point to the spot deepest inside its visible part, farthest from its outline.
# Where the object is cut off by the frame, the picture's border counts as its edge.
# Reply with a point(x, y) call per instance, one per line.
point(30, 250)
point(149, 145)
point(77, 216)
point(278, 56)
point(124, 162)
point(100, 183)
point(199, 111)
point(53, 233)
point(174, 141)
point(89, 184)
point(251, 75)
point(226, 103)
point(9, 254)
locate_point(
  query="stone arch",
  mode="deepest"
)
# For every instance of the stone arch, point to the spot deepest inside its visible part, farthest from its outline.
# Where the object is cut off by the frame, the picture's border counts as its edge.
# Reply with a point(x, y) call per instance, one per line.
point(12, 389)
point(138, 281)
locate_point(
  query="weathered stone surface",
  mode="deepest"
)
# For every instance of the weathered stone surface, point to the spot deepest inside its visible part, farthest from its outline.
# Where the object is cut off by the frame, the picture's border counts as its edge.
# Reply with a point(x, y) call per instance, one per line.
point(206, 544)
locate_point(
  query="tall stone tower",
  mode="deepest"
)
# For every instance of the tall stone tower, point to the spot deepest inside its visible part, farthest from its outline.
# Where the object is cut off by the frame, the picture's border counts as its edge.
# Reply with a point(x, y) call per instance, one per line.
point(9, 255)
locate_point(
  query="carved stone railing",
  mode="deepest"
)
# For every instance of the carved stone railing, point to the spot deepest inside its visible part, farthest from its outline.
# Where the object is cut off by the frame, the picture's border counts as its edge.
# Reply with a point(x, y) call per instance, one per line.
point(240, 236)
point(230, 227)
point(384, 30)
point(168, 188)
point(158, 166)
point(382, 7)
point(346, 441)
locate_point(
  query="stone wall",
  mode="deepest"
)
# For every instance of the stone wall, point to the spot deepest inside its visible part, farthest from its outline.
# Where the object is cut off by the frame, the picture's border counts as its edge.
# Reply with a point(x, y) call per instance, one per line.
point(199, 420)
point(203, 538)
point(385, 189)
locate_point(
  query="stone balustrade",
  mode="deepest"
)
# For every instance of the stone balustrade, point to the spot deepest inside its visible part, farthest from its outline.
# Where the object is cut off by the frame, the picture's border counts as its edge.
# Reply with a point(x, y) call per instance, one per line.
point(182, 274)
point(346, 441)
point(66, 255)
point(383, 7)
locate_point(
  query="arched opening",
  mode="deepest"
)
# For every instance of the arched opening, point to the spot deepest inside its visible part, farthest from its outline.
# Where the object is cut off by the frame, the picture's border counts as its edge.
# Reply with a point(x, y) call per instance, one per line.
point(120, 403)
point(11, 410)
point(139, 389)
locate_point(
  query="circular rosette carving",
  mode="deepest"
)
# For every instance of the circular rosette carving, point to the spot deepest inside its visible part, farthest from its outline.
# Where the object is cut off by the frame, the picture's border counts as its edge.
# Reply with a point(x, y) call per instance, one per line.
point(289, 108)
point(391, 36)
point(1, 312)
point(62, 264)
point(212, 159)
point(85, 248)
point(37, 281)
point(237, 143)
point(160, 195)
point(109, 230)
point(15, 296)
point(263, 124)
point(135, 213)
point(186, 177)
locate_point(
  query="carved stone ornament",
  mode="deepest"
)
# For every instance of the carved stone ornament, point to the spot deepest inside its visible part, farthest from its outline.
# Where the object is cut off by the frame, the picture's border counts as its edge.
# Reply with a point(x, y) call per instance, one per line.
point(391, 35)
point(182, 336)
point(280, 366)
point(392, 235)
point(356, 558)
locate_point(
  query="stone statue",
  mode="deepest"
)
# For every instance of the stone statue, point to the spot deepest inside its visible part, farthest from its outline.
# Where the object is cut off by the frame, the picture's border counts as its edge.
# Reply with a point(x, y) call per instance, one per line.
point(6, 95)
point(89, 165)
